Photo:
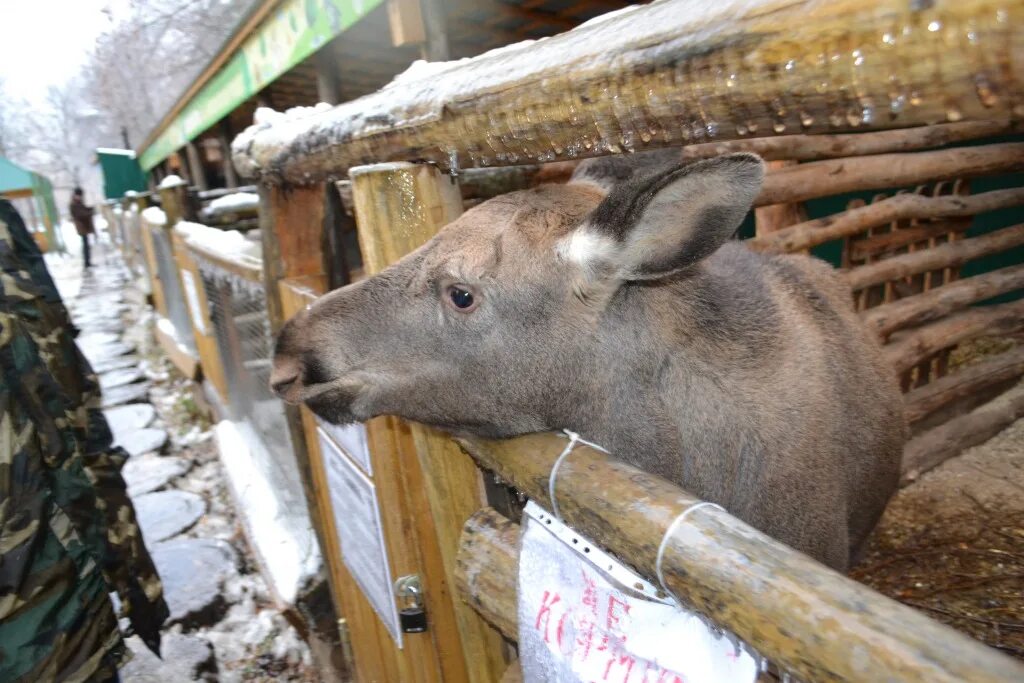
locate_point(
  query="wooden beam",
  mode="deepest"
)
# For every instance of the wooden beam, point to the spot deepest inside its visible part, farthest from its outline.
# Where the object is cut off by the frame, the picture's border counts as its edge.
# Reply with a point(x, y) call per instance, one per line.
point(387, 231)
point(808, 619)
point(924, 401)
point(913, 346)
point(664, 75)
point(836, 176)
point(898, 208)
point(949, 255)
point(818, 147)
point(934, 447)
point(942, 301)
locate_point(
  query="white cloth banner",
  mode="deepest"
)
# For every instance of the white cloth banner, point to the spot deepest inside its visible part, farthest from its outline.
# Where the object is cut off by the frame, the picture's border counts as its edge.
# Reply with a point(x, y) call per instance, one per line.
point(576, 623)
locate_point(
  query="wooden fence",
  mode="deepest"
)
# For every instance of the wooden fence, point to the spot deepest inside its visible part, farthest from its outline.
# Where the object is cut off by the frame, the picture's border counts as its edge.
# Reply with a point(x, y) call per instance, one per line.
point(661, 77)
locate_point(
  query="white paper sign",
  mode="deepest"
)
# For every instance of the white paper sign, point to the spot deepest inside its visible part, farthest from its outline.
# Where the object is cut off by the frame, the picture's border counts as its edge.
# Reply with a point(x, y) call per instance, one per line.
point(360, 532)
point(351, 438)
point(192, 296)
point(578, 624)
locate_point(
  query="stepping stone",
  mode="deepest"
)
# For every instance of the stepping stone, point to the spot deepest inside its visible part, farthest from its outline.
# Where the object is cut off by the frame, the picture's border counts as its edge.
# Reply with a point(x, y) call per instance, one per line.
point(113, 363)
point(193, 571)
point(142, 440)
point(129, 418)
point(185, 658)
point(150, 472)
point(165, 514)
point(95, 354)
point(117, 378)
point(97, 339)
point(129, 393)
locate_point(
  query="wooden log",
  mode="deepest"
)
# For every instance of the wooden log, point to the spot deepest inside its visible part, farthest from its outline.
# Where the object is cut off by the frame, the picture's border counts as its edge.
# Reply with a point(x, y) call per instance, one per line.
point(886, 243)
point(941, 301)
point(901, 207)
point(836, 176)
point(665, 75)
point(388, 230)
point(934, 396)
point(913, 346)
point(934, 447)
point(806, 618)
point(949, 255)
point(818, 147)
point(487, 569)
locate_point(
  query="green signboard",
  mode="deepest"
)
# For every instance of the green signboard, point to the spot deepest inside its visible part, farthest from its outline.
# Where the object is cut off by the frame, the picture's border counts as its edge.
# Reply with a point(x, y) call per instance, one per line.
point(294, 31)
point(121, 172)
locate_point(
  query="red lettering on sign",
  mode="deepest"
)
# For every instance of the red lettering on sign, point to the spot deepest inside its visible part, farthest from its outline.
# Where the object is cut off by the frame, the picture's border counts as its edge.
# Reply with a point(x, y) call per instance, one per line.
point(544, 614)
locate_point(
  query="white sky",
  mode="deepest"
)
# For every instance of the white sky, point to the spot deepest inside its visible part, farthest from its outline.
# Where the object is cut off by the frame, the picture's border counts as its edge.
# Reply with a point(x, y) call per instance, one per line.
point(43, 42)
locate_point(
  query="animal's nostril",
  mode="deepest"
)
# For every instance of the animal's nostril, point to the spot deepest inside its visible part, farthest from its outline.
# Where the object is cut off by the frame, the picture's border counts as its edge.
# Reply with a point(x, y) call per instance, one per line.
point(281, 385)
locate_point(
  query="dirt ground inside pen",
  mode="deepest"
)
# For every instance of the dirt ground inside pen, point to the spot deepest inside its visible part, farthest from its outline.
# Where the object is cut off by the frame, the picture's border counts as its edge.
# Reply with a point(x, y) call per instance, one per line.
point(952, 543)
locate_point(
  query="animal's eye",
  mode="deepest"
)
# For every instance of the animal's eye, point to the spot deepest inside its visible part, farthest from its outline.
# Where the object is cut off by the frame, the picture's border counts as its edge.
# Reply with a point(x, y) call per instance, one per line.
point(461, 298)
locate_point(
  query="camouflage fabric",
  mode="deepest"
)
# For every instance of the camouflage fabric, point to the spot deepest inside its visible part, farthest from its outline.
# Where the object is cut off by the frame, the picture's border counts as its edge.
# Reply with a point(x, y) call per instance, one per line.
point(102, 521)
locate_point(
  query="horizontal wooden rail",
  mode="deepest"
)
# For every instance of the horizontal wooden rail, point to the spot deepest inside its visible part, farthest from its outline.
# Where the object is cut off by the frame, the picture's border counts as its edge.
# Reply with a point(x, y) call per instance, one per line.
point(818, 147)
point(836, 176)
point(910, 348)
point(665, 75)
point(934, 447)
point(949, 255)
point(936, 395)
point(806, 618)
point(247, 268)
point(872, 247)
point(941, 301)
point(901, 207)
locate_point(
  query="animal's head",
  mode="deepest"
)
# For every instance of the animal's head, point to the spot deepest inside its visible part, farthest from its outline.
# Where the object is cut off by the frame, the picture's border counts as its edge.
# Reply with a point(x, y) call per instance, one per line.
point(492, 320)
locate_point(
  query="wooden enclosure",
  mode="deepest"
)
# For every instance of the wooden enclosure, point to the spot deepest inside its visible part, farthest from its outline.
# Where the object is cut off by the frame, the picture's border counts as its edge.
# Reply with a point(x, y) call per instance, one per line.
point(892, 133)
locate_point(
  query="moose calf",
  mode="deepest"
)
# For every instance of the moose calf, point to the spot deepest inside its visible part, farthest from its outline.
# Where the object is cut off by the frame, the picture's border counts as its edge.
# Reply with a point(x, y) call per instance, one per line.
point(618, 307)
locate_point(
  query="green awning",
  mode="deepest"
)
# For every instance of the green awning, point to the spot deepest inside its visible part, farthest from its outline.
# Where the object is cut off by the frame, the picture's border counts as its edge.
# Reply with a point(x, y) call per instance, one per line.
point(17, 182)
point(294, 31)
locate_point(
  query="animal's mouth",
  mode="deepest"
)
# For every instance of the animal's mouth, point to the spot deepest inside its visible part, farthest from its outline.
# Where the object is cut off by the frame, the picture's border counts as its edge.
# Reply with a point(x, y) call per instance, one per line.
point(334, 405)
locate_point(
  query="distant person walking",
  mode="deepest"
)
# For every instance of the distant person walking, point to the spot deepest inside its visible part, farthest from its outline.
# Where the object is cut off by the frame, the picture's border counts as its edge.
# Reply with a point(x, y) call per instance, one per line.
point(81, 214)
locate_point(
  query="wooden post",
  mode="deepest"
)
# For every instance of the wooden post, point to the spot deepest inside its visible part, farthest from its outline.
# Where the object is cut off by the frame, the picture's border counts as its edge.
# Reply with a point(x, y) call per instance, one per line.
point(291, 221)
point(435, 48)
point(327, 86)
point(195, 166)
point(383, 195)
point(224, 135)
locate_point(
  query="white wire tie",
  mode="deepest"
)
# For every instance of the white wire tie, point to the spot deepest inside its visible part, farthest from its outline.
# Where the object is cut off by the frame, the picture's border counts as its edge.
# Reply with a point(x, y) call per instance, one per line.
point(574, 439)
point(680, 518)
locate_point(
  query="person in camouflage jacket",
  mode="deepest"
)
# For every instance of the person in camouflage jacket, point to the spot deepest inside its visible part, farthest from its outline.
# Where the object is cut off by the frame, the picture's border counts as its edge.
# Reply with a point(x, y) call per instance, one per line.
point(68, 534)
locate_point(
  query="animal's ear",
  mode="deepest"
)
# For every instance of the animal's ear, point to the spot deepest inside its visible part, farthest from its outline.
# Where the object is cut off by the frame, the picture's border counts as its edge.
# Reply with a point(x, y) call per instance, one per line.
point(652, 226)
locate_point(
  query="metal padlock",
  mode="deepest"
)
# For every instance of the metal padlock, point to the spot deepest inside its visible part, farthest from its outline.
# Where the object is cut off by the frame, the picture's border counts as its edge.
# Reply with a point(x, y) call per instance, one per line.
point(413, 617)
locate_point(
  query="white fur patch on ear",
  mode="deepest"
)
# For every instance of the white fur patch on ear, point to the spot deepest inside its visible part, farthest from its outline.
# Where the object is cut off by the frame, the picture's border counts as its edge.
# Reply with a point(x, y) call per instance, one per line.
point(586, 247)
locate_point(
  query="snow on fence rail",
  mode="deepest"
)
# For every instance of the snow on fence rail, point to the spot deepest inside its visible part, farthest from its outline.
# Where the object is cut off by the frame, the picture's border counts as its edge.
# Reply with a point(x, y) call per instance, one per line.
point(671, 73)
